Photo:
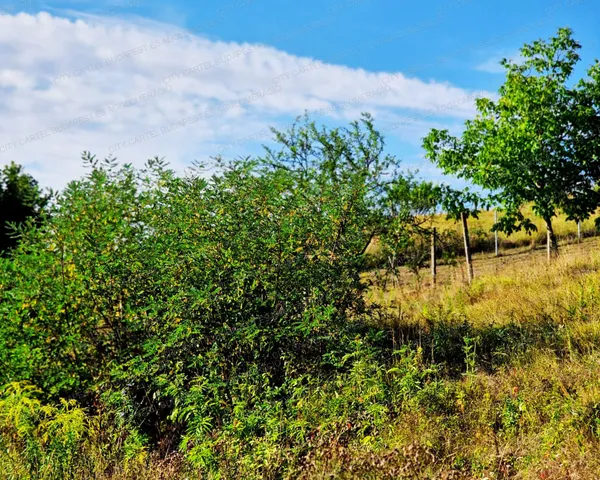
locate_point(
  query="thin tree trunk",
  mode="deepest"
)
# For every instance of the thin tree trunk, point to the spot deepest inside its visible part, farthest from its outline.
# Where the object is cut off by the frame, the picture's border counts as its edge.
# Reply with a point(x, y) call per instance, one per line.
point(467, 247)
point(551, 240)
point(433, 259)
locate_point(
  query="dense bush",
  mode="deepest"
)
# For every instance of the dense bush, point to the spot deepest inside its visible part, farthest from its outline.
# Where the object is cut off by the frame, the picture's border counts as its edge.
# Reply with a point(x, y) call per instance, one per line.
point(198, 307)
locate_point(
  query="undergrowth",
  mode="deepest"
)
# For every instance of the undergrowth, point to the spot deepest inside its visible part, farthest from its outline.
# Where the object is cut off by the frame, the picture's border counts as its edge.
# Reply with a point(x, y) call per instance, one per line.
point(462, 394)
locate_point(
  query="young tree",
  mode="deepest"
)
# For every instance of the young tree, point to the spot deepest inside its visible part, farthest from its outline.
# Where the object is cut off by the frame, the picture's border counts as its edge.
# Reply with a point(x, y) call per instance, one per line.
point(459, 205)
point(411, 206)
point(350, 165)
point(20, 199)
point(537, 143)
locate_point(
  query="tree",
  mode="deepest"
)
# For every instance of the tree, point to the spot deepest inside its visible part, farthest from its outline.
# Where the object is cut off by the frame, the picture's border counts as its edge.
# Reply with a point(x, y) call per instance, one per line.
point(412, 205)
point(20, 199)
point(348, 163)
point(538, 143)
point(459, 205)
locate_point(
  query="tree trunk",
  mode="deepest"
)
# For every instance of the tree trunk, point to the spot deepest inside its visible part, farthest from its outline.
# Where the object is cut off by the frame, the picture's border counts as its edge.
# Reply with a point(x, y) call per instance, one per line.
point(551, 240)
point(433, 259)
point(467, 247)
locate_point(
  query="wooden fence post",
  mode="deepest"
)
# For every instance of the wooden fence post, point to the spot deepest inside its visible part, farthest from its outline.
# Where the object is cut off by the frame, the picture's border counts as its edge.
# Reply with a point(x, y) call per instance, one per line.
point(433, 259)
point(467, 247)
point(496, 232)
point(579, 231)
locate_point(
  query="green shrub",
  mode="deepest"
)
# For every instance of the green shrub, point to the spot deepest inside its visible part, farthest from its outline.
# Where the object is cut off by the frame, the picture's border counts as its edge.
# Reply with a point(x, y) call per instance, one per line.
point(195, 307)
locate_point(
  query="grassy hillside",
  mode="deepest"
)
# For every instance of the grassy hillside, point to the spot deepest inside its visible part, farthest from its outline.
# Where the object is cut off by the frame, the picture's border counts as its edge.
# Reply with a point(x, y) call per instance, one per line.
point(485, 264)
point(520, 397)
point(565, 230)
point(483, 240)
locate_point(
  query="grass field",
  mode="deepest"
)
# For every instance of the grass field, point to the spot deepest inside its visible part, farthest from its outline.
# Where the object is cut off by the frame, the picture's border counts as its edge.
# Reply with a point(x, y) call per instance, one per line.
point(565, 230)
point(483, 239)
point(509, 262)
point(528, 399)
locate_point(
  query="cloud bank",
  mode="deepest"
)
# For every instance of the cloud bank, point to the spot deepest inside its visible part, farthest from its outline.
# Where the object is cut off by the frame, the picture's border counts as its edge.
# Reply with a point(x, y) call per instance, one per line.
point(141, 89)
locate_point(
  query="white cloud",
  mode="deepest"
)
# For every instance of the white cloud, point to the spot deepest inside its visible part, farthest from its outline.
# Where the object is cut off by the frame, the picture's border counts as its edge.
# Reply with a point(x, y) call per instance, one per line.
point(57, 76)
point(492, 65)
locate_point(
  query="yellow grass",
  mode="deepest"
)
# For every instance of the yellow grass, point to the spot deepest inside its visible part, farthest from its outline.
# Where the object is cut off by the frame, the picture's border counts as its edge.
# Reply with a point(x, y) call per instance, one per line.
point(566, 231)
point(504, 270)
point(563, 228)
point(540, 325)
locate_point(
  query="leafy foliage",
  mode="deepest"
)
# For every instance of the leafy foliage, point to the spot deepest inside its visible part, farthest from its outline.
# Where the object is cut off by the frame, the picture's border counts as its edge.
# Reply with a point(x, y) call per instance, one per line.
point(459, 203)
point(537, 143)
point(20, 199)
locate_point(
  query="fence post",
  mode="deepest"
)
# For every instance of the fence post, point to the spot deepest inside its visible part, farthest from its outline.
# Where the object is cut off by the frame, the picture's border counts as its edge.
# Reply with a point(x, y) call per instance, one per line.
point(496, 232)
point(579, 231)
point(433, 259)
point(467, 247)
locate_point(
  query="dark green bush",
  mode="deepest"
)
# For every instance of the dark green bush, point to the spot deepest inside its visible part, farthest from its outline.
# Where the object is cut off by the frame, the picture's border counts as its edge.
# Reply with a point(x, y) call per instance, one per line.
point(198, 307)
point(21, 200)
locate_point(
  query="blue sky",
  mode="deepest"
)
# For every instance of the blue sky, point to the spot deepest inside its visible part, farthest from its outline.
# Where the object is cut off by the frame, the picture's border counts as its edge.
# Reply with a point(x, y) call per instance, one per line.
point(414, 65)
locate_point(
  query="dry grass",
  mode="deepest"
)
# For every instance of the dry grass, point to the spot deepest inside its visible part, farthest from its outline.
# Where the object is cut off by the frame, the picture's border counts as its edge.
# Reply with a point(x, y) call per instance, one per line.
point(504, 270)
point(527, 405)
point(565, 230)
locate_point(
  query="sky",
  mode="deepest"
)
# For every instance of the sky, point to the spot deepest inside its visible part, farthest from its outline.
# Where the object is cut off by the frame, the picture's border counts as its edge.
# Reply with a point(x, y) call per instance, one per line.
point(188, 81)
